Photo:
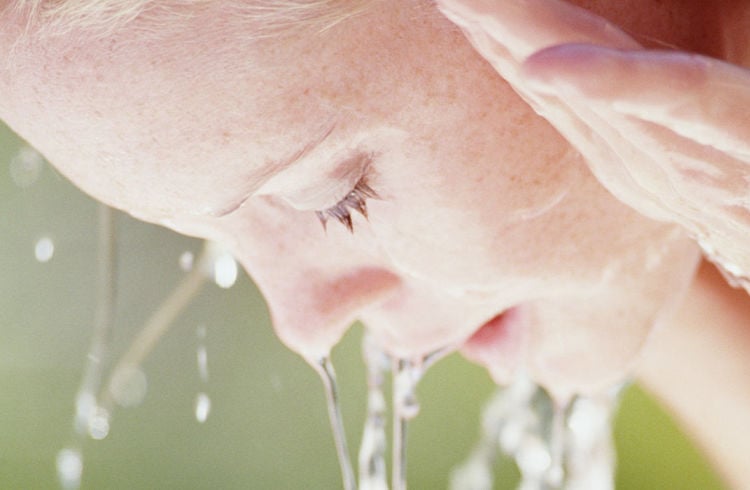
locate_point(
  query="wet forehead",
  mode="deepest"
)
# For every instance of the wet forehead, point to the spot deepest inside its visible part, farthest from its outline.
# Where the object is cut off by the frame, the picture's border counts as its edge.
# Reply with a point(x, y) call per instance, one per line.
point(134, 102)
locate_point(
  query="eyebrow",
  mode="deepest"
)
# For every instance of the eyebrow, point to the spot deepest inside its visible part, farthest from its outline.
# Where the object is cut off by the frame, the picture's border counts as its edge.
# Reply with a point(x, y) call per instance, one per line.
point(265, 174)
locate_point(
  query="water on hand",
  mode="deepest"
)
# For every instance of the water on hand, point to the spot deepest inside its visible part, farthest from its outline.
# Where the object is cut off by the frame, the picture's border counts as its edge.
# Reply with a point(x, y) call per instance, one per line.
point(732, 272)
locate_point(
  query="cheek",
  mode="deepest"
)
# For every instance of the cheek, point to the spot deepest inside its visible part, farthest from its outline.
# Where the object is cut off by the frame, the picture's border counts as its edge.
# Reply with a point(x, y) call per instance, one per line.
point(476, 209)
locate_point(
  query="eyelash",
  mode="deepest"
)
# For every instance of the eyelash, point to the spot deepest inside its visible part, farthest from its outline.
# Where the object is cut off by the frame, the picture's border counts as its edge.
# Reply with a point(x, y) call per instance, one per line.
point(355, 200)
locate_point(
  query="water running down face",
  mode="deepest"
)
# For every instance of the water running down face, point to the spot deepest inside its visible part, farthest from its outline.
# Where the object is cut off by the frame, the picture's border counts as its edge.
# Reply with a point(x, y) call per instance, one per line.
point(480, 207)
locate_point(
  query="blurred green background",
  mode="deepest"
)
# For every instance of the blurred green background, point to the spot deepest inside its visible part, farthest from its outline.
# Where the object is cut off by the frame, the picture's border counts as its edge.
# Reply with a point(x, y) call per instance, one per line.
point(267, 428)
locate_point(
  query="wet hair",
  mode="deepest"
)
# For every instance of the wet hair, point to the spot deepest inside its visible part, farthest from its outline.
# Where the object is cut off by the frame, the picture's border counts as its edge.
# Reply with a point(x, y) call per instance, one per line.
point(272, 17)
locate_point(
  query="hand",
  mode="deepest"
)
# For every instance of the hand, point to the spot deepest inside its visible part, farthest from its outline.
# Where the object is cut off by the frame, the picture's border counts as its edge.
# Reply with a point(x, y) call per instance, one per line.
point(665, 131)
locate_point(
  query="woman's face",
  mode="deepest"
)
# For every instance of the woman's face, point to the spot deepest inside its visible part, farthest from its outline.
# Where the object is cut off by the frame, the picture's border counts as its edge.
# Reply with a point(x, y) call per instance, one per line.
point(474, 205)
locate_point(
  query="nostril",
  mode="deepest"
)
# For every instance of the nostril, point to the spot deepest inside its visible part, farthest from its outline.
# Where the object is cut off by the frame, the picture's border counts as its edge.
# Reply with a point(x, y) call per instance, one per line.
point(311, 316)
point(498, 345)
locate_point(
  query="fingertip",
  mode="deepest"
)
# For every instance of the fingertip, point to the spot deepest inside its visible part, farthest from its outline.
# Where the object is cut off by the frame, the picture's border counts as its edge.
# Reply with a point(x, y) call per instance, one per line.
point(570, 68)
point(628, 76)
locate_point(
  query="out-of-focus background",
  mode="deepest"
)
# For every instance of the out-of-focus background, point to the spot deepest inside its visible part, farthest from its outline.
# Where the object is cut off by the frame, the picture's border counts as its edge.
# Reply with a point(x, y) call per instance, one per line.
point(267, 427)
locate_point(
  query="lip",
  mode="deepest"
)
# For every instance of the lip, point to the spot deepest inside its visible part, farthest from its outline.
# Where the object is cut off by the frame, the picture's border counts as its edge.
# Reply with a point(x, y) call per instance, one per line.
point(498, 345)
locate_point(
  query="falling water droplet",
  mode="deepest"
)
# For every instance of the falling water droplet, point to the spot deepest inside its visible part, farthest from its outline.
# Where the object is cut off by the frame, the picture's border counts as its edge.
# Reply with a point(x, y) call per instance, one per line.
point(44, 249)
point(327, 374)
point(202, 407)
point(202, 358)
point(186, 261)
point(372, 452)
point(129, 386)
point(85, 405)
point(476, 472)
point(26, 167)
point(69, 464)
point(591, 454)
point(534, 461)
point(406, 376)
point(98, 426)
point(537, 446)
point(225, 270)
point(201, 353)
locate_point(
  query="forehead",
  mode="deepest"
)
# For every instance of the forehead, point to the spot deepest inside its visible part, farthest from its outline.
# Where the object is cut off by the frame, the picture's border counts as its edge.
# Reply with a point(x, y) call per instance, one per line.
point(266, 18)
point(140, 116)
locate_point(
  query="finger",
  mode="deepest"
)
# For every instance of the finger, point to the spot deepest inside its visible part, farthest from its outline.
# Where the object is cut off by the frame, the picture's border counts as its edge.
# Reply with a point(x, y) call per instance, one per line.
point(700, 98)
point(526, 26)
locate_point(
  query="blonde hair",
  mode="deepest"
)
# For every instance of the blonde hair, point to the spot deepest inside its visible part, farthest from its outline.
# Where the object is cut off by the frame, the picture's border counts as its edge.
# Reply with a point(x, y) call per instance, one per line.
point(272, 17)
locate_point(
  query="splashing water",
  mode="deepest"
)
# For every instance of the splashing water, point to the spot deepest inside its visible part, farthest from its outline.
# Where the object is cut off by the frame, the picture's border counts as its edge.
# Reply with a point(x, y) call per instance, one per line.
point(476, 473)
point(532, 435)
point(127, 384)
point(91, 419)
point(590, 452)
point(324, 368)
point(555, 445)
point(372, 452)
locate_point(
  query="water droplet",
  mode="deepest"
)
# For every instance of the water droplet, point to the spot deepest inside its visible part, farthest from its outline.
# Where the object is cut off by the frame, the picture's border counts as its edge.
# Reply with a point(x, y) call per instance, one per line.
point(201, 353)
point(69, 464)
point(44, 249)
point(512, 434)
point(202, 407)
point(591, 457)
point(98, 424)
point(533, 457)
point(26, 167)
point(405, 384)
point(225, 270)
point(129, 386)
point(85, 406)
point(202, 357)
point(406, 377)
point(477, 471)
point(186, 261)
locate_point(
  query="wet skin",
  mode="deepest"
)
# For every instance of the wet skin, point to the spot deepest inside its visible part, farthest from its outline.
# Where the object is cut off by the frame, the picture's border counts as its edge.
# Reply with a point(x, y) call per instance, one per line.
point(480, 208)
point(662, 122)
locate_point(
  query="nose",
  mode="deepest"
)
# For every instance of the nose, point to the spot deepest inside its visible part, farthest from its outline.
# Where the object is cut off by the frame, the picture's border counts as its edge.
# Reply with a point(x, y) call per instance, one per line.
point(315, 282)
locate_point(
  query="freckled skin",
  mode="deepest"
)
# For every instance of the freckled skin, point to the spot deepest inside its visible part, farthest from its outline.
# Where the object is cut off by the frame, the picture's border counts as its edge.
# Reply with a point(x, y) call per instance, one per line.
point(482, 205)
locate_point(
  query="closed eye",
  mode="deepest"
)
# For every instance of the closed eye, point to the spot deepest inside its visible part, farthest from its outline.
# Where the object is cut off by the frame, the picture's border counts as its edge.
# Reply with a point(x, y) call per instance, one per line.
point(355, 200)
